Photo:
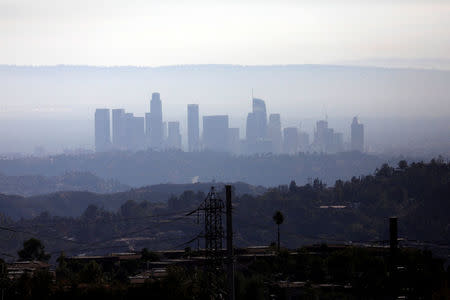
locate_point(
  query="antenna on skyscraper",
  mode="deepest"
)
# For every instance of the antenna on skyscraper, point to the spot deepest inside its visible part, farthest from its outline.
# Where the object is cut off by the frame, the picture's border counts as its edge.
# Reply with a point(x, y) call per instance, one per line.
point(252, 93)
point(325, 112)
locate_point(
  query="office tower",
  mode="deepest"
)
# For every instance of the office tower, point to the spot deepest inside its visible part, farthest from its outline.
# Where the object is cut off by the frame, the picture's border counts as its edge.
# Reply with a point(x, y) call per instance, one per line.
point(256, 131)
point(102, 130)
point(357, 135)
point(128, 122)
point(338, 142)
point(259, 111)
point(137, 133)
point(156, 123)
point(274, 132)
point(164, 131)
point(257, 121)
point(321, 135)
point(303, 141)
point(290, 144)
point(134, 132)
point(174, 136)
point(215, 133)
point(193, 128)
point(148, 125)
point(233, 140)
point(118, 128)
point(250, 133)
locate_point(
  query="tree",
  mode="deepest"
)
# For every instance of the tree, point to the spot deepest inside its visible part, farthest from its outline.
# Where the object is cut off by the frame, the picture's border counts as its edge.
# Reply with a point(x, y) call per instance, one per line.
point(402, 165)
point(149, 255)
point(33, 249)
point(292, 187)
point(91, 273)
point(278, 218)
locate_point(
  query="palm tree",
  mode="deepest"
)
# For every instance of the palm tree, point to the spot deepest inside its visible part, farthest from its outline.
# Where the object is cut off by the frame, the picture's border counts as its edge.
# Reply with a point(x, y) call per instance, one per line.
point(278, 218)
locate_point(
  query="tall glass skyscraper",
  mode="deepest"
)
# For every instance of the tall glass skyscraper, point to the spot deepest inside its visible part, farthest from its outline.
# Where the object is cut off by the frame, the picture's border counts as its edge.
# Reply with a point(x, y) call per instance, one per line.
point(256, 131)
point(357, 135)
point(274, 132)
point(156, 123)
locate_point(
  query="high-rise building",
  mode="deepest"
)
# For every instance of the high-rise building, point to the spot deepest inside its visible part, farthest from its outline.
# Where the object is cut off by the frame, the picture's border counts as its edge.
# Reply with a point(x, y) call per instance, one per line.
point(274, 132)
point(256, 131)
point(326, 139)
point(164, 130)
point(102, 130)
point(259, 110)
point(134, 132)
point(118, 128)
point(321, 136)
point(148, 125)
point(250, 132)
point(128, 117)
point(257, 121)
point(357, 135)
point(290, 140)
point(234, 140)
point(156, 123)
point(193, 128)
point(338, 142)
point(303, 141)
point(174, 136)
point(215, 133)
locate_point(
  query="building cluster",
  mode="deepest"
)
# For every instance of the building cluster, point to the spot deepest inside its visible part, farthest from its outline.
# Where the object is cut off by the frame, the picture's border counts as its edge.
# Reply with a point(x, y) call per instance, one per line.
point(262, 135)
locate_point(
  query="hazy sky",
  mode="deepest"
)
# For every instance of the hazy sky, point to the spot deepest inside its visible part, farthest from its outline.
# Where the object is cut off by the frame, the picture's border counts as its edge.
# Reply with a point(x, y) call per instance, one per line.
point(153, 33)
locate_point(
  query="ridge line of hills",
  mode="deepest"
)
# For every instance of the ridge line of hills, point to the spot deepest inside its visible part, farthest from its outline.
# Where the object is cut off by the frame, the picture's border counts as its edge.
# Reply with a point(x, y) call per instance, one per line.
point(73, 203)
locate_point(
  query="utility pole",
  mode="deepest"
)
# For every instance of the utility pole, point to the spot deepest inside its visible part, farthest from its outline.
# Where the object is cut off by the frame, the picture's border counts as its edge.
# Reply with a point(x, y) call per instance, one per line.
point(230, 250)
point(393, 235)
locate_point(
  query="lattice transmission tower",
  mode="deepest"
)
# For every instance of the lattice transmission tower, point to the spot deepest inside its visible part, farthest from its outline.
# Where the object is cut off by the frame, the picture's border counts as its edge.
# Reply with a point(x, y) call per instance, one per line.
point(213, 208)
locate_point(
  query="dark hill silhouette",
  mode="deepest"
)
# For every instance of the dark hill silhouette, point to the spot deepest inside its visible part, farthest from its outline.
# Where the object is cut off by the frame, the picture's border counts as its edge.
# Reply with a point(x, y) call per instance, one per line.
point(29, 185)
point(73, 203)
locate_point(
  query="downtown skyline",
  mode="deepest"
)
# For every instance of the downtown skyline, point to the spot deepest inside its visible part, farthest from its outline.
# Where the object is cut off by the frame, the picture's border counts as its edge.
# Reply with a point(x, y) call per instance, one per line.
point(263, 132)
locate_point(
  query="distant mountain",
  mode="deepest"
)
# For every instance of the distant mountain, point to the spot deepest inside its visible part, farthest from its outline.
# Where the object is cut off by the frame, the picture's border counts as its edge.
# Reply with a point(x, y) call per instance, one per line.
point(28, 185)
point(73, 203)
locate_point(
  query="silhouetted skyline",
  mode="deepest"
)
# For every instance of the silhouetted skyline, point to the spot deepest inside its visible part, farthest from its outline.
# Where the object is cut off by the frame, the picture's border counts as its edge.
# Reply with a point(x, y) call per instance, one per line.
point(262, 136)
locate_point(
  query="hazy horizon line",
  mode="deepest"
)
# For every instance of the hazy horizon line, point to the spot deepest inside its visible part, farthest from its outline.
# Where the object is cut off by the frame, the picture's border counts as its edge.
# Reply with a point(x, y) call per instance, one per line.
point(331, 65)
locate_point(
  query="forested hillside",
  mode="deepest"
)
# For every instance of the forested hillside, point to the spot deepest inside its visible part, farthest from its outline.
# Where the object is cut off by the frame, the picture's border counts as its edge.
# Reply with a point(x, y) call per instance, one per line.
point(356, 210)
point(73, 203)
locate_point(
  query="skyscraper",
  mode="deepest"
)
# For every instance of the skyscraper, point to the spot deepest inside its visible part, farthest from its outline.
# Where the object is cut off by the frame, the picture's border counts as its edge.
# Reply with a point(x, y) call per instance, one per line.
point(274, 132)
point(256, 131)
point(118, 128)
point(156, 123)
point(320, 135)
point(290, 144)
point(233, 140)
point(215, 133)
point(303, 141)
point(148, 125)
point(102, 130)
point(174, 136)
point(193, 128)
point(257, 121)
point(357, 135)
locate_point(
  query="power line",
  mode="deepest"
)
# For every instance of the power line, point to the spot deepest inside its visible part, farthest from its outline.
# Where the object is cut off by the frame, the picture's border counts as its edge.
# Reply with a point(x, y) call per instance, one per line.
point(115, 220)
